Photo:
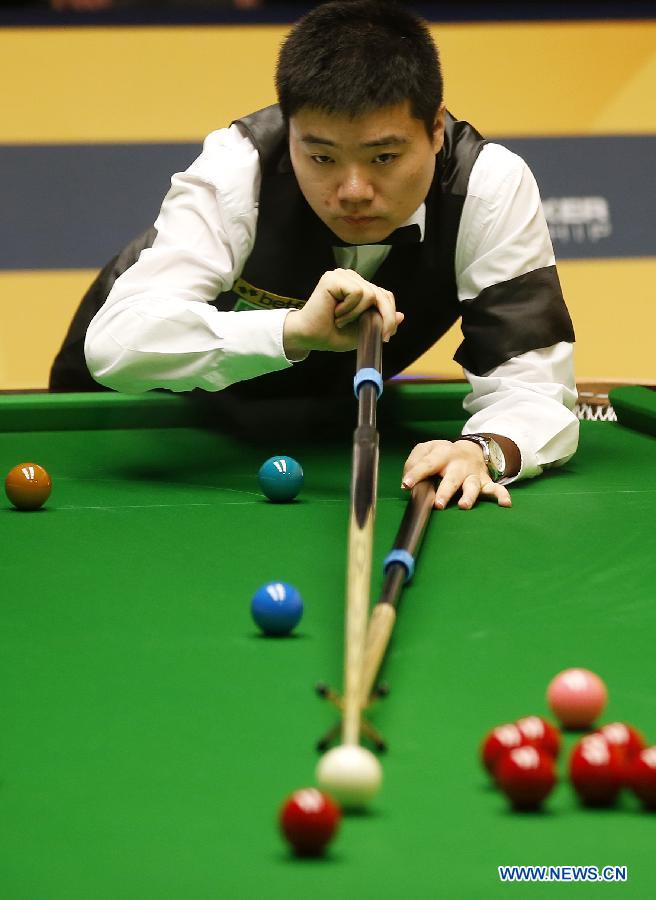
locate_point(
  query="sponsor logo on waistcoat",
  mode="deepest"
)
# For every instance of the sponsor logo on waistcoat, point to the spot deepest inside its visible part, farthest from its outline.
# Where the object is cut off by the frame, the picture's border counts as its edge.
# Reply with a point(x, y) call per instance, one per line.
point(251, 297)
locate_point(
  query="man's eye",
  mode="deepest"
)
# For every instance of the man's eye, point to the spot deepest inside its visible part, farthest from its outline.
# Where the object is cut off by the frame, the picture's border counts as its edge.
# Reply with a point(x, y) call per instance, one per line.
point(384, 159)
point(321, 160)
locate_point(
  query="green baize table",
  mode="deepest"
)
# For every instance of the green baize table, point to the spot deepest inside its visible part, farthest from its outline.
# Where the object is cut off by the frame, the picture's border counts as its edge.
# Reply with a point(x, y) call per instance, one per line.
point(149, 734)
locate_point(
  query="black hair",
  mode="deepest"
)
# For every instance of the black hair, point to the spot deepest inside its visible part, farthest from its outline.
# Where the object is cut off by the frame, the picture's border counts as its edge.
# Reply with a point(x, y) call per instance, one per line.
point(351, 57)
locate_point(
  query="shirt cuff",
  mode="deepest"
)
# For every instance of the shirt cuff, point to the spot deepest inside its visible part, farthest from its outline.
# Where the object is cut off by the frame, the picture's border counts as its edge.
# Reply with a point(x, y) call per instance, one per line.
point(252, 345)
point(282, 343)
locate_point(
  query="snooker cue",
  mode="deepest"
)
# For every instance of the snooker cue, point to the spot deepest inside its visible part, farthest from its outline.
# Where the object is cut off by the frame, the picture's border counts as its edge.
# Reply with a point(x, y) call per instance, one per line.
point(399, 567)
point(364, 482)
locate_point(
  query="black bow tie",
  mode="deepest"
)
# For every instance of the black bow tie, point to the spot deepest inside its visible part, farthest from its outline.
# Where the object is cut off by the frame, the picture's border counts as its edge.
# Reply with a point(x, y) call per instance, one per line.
point(408, 234)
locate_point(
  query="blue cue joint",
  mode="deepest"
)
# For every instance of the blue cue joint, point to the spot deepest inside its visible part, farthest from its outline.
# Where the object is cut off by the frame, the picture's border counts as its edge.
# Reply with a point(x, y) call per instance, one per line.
point(372, 376)
point(403, 557)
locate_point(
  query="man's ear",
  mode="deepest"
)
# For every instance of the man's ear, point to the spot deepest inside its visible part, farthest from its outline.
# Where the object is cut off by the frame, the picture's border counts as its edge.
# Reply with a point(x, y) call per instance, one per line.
point(438, 128)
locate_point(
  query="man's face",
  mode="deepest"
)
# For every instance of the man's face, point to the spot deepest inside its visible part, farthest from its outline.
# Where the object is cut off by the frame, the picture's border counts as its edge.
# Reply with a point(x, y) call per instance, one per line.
point(364, 176)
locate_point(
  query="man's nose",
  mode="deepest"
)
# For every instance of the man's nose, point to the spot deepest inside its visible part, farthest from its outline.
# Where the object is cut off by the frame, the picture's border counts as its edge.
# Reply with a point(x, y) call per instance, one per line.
point(355, 187)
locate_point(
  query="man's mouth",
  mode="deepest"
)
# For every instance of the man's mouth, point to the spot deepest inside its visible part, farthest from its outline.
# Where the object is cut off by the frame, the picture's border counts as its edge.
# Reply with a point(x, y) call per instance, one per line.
point(358, 220)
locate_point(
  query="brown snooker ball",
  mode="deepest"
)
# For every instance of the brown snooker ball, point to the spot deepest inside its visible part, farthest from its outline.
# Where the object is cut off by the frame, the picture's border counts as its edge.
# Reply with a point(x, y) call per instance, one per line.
point(28, 486)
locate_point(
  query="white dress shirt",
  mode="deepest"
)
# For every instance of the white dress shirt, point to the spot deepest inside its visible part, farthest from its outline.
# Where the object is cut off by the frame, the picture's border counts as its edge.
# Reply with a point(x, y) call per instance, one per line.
point(157, 328)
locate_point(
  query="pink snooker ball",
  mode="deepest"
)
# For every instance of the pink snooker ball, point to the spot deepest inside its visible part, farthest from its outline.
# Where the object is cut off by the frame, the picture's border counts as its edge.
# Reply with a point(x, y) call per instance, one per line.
point(577, 697)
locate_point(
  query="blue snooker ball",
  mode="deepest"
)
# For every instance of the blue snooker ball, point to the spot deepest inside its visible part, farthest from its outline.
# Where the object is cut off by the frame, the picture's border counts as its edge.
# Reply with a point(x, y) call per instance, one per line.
point(280, 478)
point(277, 607)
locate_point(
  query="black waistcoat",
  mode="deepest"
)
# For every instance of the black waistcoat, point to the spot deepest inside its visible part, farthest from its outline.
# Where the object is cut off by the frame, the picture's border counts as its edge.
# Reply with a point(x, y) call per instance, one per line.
point(293, 249)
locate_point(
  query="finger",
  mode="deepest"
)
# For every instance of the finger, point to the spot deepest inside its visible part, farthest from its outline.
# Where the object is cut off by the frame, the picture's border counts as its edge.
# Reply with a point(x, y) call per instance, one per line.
point(357, 296)
point(341, 283)
point(448, 487)
point(426, 460)
point(471, 488)
point(387, 309)
point(497, 492)
point(344, 309)
point(361, 295)
point(347, 288)
point(418, 451)
point(361, 299)
point(412, 468)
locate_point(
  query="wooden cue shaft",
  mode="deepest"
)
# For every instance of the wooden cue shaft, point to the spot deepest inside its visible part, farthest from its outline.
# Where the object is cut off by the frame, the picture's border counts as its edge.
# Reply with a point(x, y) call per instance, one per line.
point(364, 484)
point(358, 576)
point(383, 617)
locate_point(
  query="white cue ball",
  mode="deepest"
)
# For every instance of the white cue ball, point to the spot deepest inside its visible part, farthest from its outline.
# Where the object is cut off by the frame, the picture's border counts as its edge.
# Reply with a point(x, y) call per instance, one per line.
point(351, 774)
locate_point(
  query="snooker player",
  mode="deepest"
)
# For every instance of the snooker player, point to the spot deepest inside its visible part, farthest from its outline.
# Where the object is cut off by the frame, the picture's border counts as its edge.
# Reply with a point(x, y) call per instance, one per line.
point(357, 189)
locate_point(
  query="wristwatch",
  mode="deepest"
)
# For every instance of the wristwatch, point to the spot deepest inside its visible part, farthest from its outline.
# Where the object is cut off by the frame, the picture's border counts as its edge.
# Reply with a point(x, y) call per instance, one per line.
point(492, 454)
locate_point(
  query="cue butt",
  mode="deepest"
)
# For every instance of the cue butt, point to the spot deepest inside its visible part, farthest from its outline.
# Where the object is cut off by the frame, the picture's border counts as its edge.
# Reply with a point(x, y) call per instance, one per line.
point(370, 340)
point(416, 516)
point(383, 617)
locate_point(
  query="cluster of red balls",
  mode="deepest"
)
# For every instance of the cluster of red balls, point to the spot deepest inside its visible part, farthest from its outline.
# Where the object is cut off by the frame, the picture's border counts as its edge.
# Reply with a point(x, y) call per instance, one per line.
point(521, 756)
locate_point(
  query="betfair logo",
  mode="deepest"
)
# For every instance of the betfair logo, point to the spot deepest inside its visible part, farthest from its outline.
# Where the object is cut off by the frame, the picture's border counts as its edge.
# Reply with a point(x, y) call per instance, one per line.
point(261, 299)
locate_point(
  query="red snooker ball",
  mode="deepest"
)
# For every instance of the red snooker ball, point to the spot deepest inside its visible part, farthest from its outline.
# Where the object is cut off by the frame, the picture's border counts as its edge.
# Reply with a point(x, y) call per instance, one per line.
point(627, 739)
point(527, 776)
point(309, 819)
point(28, 486)
point(498, 742)
point(641, 776)
point(541, 733)
point(596, 770)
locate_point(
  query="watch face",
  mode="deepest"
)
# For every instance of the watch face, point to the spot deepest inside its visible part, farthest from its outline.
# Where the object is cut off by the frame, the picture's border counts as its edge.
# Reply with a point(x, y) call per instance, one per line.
point(497, 459)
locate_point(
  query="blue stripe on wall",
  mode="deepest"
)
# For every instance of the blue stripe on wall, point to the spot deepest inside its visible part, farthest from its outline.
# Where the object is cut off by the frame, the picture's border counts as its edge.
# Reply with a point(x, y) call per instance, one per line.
point(595, 193)
point(75, 206)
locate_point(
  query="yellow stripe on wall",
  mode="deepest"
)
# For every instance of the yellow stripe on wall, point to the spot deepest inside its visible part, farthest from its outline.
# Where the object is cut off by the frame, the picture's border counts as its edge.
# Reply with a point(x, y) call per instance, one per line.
point(552, 78)
point(38, 306)
point(611, 302)
point(612, 306)
point(132, 84)
point(178, 84)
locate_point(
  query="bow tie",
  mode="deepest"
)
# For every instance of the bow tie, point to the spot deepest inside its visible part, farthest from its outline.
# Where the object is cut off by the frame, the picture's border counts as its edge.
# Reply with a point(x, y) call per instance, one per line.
point(408, 234)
